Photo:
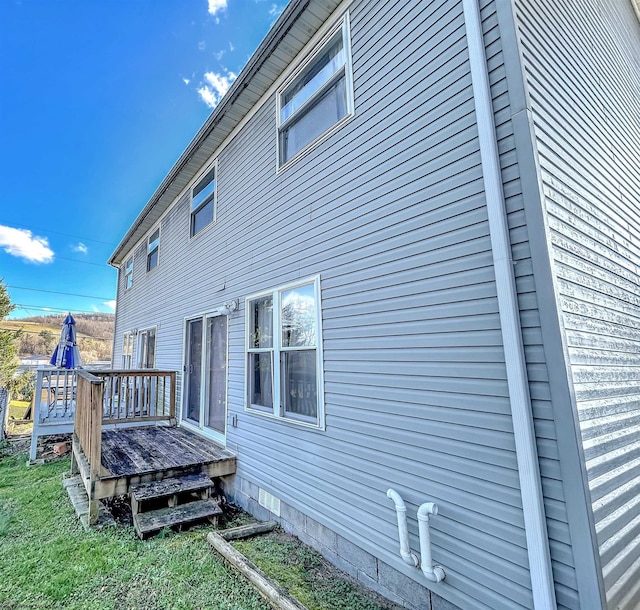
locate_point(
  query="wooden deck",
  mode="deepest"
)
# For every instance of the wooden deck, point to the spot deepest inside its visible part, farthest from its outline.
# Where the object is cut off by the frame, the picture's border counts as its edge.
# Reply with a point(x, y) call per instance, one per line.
point(142, 454)
point(151, 449)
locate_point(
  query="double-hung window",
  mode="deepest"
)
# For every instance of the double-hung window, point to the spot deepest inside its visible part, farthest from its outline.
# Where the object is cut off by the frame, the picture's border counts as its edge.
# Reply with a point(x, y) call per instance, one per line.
point(147, 349)
point(153, 246)
point(128, 273)
point(127, 350)
point(203, 202)
point(319, 95)
point(284, 359)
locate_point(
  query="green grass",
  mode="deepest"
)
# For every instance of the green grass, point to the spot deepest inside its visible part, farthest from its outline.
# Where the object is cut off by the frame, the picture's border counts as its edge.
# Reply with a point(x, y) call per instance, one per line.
point(48, 561)
point(306, 575)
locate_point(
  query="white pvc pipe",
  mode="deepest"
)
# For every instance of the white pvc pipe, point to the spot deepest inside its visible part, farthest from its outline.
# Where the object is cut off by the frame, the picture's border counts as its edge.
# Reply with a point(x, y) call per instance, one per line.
point(524, 433)
point(431, 572)
point(403, 533)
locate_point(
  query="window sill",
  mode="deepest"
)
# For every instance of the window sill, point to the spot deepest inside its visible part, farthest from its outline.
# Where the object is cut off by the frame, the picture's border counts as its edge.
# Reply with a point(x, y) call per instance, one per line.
point(319, 426)
point(312, 145)
point(202, 231)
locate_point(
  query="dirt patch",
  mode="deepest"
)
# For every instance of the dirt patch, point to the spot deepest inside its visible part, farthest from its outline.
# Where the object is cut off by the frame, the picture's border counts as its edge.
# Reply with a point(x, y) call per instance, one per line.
point(120, 509)
point(14, 445)
point(46, 444)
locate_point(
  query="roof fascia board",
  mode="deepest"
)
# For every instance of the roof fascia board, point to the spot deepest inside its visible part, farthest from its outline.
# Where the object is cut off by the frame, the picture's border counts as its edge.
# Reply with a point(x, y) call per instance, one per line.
point(329, 23)
point(274, 37)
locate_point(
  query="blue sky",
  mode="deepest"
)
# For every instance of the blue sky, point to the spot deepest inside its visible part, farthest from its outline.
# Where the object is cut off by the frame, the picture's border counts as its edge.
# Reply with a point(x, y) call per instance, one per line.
point(97, 101)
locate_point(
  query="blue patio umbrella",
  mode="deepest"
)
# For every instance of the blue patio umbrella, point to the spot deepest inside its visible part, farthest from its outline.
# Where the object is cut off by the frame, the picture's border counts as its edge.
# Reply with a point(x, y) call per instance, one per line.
point(66, 354)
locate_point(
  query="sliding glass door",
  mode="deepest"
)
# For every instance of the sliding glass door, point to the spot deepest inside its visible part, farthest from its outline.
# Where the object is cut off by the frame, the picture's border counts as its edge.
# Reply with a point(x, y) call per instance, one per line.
point(205, 404)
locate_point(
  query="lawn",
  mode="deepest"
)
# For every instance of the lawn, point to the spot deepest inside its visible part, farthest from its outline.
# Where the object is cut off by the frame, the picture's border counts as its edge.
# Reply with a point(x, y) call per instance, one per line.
point(48, 561)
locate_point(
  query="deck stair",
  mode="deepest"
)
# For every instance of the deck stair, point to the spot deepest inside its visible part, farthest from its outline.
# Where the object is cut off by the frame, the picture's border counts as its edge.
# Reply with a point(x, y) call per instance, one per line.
point(173, 502)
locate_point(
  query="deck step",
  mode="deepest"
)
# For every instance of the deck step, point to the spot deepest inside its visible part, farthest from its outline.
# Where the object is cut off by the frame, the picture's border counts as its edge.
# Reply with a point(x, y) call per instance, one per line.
point(153, 521)
point(171, 487)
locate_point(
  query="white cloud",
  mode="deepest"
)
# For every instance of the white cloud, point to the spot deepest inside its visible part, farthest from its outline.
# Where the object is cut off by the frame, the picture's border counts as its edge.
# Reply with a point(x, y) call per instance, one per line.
point(110, 304)
point(186, 81)
point(202, 45)
point(275, 10)
point(80, 247)
point(231, 47)
point(95, 309)
point(23, 244)
point(219, 54)
point(215, 88)
point(208, 96)
point(215, 6)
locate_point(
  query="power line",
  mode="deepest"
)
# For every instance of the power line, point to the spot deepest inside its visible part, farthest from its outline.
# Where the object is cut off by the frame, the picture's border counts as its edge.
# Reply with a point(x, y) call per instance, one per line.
point(70, 294)
point(56, 310)
point(83, 239)
point(37, 332)
point(77, 260)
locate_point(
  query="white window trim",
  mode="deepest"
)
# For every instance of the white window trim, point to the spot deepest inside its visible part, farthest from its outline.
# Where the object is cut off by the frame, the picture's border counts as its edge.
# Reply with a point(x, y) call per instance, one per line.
point(128, 276)
point(203, 431)
point(128, 345)
point(156, 228)
point(138, 344)
point(276, 413)
point(207, 168)
point(308, 57)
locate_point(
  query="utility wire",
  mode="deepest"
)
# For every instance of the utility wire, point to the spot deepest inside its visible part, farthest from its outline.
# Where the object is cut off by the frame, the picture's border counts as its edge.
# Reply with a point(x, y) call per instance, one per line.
point(55, 310)
point(83, 239)
point(71, 294)
point(37, 332)
point(77, 260)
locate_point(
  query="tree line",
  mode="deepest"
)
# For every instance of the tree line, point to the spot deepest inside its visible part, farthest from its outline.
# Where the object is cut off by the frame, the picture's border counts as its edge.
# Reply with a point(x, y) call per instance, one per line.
point(95, 342)
point(94, 336)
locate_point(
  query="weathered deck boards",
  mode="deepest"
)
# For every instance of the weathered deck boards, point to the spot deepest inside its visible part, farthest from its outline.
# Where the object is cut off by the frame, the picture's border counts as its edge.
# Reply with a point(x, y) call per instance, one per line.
point(129, 452)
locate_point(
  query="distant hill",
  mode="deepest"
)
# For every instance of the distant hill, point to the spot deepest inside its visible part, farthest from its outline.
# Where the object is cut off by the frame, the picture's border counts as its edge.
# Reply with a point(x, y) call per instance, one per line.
point(40, 334)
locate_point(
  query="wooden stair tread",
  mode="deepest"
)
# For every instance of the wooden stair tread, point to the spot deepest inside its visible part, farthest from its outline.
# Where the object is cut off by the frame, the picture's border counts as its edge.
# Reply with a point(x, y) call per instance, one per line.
point(170, 487)
point(156, 520)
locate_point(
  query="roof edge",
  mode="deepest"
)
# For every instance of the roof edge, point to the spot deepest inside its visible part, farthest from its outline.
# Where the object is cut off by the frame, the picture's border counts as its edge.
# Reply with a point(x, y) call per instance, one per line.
point(273, 37)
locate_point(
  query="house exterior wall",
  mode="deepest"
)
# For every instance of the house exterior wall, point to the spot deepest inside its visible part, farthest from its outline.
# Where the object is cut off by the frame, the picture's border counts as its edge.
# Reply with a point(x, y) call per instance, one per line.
point(585, 108)
point(390, 212)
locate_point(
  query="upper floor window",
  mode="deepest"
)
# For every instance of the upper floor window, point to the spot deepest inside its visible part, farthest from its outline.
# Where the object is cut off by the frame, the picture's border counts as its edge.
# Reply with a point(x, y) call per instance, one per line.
point(284, 360)
point(318, 96)
point(153, 245)
point(203, 202)
point(128, 273)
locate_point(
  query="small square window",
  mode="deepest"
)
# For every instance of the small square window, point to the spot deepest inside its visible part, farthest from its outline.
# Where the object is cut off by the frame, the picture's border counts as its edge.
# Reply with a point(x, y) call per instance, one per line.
point(152, 250)
point(128, 273)
point(203, 202)
point(319, 96)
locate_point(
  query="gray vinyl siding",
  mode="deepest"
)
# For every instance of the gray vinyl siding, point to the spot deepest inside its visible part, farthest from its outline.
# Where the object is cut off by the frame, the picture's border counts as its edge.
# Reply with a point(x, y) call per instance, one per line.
point(561, 549)
point(390, 212)
point(583, 70)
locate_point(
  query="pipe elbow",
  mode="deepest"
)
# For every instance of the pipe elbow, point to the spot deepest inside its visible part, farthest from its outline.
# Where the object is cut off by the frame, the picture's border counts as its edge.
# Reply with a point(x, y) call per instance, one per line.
point(397, 500)
point(426, 509)
point(435, 574)
point(401, 512)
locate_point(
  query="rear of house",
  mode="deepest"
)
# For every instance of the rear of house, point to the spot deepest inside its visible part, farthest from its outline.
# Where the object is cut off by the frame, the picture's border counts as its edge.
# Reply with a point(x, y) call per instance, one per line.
point(322, 265)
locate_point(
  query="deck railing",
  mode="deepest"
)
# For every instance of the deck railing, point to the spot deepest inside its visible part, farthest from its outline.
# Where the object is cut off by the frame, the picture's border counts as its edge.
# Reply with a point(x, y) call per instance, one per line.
point(107, 398)
point(138, 396)
point(55, 394)
point(87, 428)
